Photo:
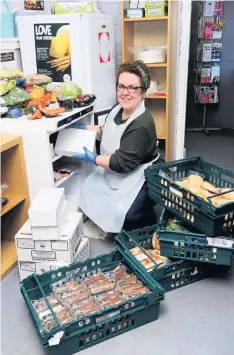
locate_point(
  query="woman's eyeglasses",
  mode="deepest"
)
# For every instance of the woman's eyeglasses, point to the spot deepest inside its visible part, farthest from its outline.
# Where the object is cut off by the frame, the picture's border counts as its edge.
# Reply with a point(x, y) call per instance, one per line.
point(130, 88)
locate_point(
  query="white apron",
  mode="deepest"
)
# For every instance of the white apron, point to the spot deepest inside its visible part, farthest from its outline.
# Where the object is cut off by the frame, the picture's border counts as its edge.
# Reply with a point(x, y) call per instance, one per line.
point(106, 196)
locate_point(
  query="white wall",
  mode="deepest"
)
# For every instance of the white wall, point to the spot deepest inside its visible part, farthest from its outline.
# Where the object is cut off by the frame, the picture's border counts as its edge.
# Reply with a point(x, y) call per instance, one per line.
point(104, 6)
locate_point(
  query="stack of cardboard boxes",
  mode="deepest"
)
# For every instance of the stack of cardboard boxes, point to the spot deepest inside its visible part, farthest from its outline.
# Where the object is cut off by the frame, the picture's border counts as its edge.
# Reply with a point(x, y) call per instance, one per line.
point(51, 237)
point(147, 8)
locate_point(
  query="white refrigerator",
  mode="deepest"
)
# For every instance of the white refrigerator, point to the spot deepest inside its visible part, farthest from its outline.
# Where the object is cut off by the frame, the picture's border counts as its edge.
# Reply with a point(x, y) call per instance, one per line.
point(81, 47)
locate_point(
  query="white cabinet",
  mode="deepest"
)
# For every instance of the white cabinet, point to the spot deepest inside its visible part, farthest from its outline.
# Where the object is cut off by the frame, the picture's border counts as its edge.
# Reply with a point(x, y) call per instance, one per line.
point(38, 153)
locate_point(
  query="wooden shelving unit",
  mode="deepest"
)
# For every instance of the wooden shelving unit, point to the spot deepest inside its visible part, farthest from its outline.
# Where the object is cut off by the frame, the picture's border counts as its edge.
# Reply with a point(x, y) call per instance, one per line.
point(15, 212)
point(150, 31)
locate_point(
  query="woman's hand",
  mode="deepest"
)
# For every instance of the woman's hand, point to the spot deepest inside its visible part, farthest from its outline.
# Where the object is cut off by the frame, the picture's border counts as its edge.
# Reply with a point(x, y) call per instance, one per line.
point(87, 156)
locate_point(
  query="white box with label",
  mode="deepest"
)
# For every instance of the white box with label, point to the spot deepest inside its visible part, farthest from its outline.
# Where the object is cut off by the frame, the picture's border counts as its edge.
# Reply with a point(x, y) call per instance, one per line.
point(51, 233)
point(46, 208)
point(27, 268)
point(71, 141)
point(51, 250)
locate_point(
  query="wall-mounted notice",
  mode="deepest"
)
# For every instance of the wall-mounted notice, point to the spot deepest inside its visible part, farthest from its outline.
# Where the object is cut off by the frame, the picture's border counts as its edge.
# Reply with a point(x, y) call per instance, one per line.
point(52, 43)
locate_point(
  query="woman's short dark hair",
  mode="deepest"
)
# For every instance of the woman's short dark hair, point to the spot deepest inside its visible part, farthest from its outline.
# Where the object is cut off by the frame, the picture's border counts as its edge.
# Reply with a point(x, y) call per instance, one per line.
point(138, 68)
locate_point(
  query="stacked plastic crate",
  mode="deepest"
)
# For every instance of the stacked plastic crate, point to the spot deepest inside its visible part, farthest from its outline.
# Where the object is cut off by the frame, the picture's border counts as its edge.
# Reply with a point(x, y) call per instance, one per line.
point(52, 237)
point(204, 246)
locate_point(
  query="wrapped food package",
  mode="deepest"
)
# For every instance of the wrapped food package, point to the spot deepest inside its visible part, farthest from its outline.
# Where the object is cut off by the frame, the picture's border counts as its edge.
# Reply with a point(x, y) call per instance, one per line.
point(100, 287)
point(62, 314)
point(118, 272)
point(195, 179)
point(39, 305)
point(10, 73)
point(47, 320)
point(155, 241)
point(142, 257)
point(134, 293)
point(37, 79)
point(210, 187)
point(6, 85)
point(229, 195)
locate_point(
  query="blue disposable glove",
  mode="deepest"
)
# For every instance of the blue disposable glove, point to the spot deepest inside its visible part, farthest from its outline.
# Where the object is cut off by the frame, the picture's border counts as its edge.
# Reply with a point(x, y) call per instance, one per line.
point(78, 126)
point(87, 156)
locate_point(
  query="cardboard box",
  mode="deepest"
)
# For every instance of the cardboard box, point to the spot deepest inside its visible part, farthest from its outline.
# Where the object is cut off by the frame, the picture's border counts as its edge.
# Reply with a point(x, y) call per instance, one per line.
point(133, 4)
point(141, 4)
point(133, 13)
point(62, 250)
point(27, 268)
point(46, 207)
point(156, 3)
point(51, 233)
point(156, 11)
point(71, 141)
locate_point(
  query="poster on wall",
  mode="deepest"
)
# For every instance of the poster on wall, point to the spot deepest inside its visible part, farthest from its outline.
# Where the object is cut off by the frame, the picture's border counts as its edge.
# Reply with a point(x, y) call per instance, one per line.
point(34, 5)
point(52, 44)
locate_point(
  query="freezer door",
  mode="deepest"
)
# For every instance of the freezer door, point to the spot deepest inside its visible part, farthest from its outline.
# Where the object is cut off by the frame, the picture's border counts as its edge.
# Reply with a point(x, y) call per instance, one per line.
point(99, 58)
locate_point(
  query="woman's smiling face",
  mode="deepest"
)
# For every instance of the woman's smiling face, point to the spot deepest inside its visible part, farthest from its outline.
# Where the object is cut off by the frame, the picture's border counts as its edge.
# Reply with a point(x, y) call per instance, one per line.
point(129, 100)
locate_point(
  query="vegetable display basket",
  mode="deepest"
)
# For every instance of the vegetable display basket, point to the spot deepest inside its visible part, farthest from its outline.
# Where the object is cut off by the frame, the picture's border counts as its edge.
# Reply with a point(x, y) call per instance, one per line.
point(193, 209)
point(193, 246)
point(98, 327)
point(172, 275)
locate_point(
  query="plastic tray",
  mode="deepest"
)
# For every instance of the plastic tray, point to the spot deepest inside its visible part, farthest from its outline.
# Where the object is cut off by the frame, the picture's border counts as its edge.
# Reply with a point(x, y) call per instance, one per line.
point(141, 238)
point(193, 246)
point(189, 274)
point(171, 276)
point(90, 330)
point(191, 208)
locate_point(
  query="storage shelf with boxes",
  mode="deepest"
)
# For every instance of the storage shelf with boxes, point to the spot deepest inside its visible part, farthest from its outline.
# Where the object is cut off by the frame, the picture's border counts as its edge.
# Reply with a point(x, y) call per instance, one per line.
point(146, 36)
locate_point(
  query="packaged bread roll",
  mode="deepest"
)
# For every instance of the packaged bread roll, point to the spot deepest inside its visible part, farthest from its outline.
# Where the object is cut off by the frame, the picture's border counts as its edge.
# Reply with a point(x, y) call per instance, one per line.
point(229, 196)
point(218, 201)
point(210, 187)
point(195, 179)
point(204, 194)
point(195, 189)
point(155, 241)
point(182, 183)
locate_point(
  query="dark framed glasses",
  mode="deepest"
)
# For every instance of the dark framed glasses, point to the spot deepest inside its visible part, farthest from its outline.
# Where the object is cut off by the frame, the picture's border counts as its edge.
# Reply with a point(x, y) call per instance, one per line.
point(130, 88)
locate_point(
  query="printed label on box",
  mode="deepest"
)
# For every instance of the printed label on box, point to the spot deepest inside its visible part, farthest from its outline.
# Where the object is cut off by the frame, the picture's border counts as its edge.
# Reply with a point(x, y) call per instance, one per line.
point(27, 266)
point(42, 245)
point(45, 255)
point(154, 11)
point(59, 245)
point(25, 243)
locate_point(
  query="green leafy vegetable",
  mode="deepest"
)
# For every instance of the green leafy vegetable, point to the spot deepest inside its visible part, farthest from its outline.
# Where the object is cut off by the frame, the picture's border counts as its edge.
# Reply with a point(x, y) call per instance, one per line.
point(16, 97)
point(175, 226)
point(70, 90)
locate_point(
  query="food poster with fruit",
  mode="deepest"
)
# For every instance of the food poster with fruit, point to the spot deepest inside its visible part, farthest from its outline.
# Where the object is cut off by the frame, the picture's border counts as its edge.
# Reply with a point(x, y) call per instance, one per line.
point(52, 42)
point(34, 5)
